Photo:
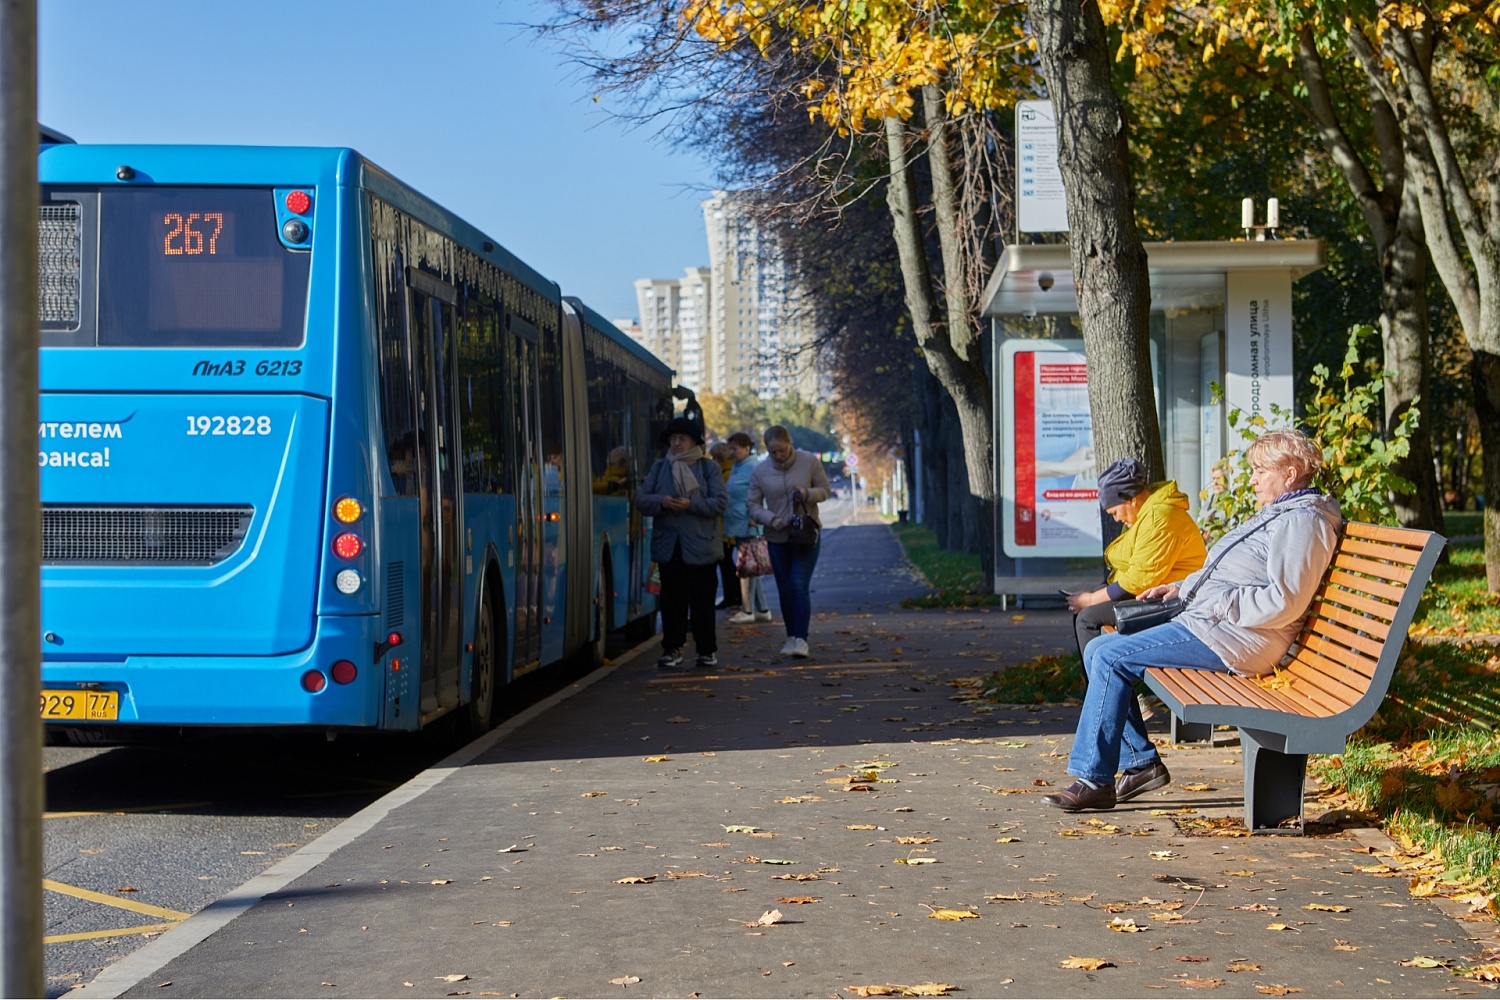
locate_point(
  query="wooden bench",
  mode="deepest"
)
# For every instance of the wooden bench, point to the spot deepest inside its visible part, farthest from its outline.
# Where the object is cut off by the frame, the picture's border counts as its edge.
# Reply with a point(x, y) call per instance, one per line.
point(1336, 676)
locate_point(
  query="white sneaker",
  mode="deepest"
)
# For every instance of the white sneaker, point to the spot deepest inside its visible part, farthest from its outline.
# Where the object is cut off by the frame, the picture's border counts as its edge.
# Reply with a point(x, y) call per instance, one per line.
point(740, 618)
point(762, 616)
point(800, 650)
point(788, 646)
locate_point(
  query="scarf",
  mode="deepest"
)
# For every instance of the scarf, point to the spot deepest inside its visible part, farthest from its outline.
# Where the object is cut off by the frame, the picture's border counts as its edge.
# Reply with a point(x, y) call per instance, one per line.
point(685, 483)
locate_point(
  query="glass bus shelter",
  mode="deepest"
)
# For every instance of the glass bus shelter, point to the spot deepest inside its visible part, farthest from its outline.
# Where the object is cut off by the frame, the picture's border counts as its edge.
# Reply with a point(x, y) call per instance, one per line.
point(1221, 314)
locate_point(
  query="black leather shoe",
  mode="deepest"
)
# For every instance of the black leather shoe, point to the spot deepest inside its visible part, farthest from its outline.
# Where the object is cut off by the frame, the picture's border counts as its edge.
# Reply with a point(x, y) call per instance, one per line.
point(1144, 779)
point(726, 604)
point(1079, 796)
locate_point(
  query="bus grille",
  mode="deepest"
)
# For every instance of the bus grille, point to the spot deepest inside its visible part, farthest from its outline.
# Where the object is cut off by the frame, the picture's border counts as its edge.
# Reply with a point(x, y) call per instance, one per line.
point(61, 264)
point(157, 536)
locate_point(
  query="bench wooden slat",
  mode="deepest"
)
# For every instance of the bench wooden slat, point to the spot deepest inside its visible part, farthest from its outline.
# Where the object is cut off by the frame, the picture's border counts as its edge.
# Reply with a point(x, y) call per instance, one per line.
point(1377, 588)
point(1350, 658)
point(1336, 632)
point(1283, 698)
point(1383, 533)
point(1343, 684)
point(1205, 692)
point(1381, 550)
point(1379, 570)
point(1228, 689)
point(1313, 660)
point(1169, 680)
point(1355, 622)
point(1306, 685)
point(1356, 600)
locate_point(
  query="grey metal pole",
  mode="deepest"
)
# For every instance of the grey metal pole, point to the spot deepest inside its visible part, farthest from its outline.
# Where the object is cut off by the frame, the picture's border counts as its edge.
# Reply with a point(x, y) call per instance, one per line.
point(21, 969)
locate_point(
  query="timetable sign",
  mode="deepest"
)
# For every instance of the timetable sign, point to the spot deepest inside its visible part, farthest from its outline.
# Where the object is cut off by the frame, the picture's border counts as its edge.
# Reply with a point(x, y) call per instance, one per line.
point(1041, 203)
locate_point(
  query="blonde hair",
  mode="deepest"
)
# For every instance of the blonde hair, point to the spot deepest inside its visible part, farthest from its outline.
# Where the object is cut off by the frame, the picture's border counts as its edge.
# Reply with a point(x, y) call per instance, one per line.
point(777, 433)
point(1287, 449)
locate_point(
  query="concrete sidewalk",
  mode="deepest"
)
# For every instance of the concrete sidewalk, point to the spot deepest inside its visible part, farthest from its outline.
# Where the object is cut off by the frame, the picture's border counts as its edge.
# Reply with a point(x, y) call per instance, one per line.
point(629, 841)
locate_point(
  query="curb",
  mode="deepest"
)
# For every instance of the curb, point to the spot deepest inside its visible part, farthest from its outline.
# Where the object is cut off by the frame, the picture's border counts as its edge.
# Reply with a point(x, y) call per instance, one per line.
point(141, 964)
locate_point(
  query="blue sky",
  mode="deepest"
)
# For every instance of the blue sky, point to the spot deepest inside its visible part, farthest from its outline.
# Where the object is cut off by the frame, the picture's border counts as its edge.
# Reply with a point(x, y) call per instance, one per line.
point(452, 97)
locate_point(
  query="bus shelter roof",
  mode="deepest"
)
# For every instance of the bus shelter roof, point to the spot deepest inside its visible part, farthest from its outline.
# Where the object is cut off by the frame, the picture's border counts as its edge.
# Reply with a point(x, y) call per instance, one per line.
point(1037, 278)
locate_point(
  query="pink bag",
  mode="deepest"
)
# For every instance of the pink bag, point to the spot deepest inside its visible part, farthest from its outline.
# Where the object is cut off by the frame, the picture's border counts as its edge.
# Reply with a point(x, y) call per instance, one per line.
point(752, 557)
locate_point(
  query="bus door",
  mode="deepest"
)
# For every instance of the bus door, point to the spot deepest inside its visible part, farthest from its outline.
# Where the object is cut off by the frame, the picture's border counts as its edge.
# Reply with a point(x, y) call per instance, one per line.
point(440, 500)
point(525, 343)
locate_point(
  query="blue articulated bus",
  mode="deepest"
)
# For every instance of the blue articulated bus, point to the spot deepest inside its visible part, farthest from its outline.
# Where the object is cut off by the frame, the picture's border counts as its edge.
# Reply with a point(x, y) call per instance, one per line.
point(314, 451)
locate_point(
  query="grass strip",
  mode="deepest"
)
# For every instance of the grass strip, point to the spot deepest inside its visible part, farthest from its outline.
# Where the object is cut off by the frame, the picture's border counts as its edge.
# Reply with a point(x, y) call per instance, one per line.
point(956, 578)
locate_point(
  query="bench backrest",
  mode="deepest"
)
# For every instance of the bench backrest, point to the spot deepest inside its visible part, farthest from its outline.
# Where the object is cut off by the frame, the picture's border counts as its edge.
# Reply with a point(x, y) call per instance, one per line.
point(1342, 662)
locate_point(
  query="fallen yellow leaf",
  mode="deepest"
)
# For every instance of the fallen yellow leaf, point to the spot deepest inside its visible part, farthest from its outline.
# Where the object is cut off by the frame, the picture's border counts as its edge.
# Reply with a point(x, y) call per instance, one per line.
point(1091, 964)
point(1326, 907)
point(953, 915)
point(1125, 925)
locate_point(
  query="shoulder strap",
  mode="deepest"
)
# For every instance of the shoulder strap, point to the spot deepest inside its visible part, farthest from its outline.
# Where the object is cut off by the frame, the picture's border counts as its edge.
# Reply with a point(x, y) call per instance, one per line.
point(1220, 558)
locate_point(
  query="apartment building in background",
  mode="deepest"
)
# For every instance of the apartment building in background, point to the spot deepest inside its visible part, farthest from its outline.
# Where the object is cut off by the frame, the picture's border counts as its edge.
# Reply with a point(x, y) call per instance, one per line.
point(733, 322)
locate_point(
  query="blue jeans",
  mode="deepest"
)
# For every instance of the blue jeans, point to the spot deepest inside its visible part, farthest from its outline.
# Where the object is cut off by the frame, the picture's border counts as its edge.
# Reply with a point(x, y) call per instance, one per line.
point(793, 567)
point(1111, 734)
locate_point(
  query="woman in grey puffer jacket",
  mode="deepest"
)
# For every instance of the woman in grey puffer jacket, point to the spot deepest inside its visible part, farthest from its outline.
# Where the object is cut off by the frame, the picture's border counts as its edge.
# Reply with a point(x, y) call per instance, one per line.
point(1250, 600)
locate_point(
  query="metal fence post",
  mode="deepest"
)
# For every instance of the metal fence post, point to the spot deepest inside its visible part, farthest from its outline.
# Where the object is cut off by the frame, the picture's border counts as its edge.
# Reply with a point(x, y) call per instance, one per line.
point(21, 968)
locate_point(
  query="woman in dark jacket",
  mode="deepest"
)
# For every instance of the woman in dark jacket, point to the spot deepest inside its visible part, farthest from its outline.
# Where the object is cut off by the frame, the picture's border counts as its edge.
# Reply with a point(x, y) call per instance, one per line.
point(684, 496)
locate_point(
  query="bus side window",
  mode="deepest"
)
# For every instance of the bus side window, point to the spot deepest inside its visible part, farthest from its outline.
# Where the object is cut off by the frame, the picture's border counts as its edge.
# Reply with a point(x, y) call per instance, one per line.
point(397, 406)
point(481, 376)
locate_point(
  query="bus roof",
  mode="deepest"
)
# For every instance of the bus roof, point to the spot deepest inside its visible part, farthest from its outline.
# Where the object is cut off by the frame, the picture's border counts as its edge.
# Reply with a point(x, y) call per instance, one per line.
point(84, 163)
point(610, 331)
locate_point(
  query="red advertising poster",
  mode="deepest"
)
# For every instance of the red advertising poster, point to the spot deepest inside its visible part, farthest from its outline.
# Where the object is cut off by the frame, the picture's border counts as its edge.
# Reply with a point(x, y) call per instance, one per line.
point(1053, 502)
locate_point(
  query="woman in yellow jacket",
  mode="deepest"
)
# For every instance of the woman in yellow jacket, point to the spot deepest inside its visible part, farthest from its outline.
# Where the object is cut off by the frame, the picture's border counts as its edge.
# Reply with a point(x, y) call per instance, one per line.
point(1160, 544)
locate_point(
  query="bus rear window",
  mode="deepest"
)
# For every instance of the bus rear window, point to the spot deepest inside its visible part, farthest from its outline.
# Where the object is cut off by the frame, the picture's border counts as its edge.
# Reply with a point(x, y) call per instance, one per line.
point(197, 267)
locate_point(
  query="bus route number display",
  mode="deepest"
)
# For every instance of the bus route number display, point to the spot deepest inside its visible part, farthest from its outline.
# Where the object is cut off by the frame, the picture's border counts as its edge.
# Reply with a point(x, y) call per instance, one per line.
point(192, 234)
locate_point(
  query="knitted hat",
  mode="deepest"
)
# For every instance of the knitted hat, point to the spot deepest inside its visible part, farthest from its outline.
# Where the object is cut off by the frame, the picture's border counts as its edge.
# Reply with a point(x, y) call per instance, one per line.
point(1123, 479)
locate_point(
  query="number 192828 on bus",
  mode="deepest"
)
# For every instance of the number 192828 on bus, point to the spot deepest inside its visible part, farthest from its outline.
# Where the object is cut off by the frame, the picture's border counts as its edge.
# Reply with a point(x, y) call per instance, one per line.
point(314, 451)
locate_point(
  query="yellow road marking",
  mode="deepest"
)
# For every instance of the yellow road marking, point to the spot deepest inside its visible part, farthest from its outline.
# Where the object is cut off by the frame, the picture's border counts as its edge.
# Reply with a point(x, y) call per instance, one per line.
point(124, 904)
point(90, 935)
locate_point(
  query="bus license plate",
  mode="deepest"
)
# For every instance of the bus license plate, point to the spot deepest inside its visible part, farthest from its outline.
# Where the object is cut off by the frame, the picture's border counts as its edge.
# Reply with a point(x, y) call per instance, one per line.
point(87, 706)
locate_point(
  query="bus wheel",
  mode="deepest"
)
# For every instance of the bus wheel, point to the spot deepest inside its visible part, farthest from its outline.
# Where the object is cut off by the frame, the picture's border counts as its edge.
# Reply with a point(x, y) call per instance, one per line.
point(482, 674)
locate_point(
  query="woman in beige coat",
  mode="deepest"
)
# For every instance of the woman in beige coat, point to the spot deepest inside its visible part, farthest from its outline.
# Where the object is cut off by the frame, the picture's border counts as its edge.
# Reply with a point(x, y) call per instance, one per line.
point(787, 483)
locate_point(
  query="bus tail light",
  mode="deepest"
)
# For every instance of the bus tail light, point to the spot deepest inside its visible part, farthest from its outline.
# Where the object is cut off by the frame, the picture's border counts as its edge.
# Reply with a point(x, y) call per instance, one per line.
point(313, 681)
point(348, 581)
point(348, 510)
point(344, 672)
point(347, 545)
point(298, 202)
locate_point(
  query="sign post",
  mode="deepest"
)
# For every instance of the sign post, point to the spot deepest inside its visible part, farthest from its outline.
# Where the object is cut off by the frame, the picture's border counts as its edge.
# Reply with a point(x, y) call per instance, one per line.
point(1041, 203)
point(21, 968)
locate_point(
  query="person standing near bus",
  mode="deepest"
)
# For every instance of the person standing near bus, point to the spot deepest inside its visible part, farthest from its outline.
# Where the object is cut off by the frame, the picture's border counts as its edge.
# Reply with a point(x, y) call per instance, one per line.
point(789, 482)
point(729, 577)
point(685, 497)
point(738, 529)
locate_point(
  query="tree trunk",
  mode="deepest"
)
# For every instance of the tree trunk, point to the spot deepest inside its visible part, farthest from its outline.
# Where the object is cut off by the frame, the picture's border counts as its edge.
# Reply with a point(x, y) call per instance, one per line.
point(1109, 262)
point(1408, 359)
point(963, 378)
point(1485, 373)
point(1393, 211)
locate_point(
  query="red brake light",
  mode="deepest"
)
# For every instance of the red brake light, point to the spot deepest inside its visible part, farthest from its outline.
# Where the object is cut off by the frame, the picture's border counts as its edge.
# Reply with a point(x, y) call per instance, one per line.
point(344, 672)
point(298, 202)
point(313, 681)
point(347, 545)
point(394, 639)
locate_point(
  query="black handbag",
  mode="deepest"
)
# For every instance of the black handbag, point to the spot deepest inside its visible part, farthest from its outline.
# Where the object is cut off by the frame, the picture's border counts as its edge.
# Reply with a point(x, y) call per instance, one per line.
point(801, 529)
point(1137, 616)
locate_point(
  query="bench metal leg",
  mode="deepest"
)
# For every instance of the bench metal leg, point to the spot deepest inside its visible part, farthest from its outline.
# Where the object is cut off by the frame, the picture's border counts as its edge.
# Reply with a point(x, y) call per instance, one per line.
point(1191, 732)
point(1273, 784)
